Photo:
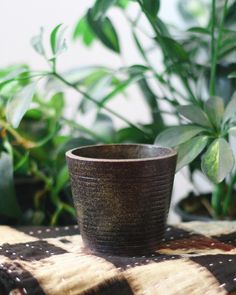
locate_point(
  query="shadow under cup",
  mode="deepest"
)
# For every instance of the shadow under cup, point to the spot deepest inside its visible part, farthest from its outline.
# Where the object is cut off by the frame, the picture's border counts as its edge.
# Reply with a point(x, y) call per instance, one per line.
point(122, 195)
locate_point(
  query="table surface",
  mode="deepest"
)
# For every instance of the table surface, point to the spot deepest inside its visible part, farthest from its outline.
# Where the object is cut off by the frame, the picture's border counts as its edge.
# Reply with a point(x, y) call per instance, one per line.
point(195, 258)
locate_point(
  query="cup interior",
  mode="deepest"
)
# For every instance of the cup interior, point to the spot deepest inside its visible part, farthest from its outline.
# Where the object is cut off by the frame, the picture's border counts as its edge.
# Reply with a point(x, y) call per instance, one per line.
point(123, 152)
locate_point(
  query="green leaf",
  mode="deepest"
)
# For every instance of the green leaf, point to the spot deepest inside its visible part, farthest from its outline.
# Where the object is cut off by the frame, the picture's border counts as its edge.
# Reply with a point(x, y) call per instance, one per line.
point(151, 7)
point(105, 31)
point(218, 161)
point(57, 40)
point(189, 150)
point(230, 110)
point(173, 136)
point(130, 135)
point(8, 203)
point(19, 104)
point(101, 7)
point(22, 167)
point(214, 108)
point(139, 46)
point(12, 76)
point(152, 102)
point(137, 70)
point(199, 30)
point(57, 103)
point(175, 49)
point(37, 43)
point(83, 30)
point(117, 90)
point(62, 179)
point(53, 130)
point(195, 115)
point(162, 27)
point(122, 3)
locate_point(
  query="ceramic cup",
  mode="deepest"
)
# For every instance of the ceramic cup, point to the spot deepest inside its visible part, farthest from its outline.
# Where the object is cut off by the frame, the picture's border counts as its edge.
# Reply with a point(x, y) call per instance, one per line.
point(122, 195)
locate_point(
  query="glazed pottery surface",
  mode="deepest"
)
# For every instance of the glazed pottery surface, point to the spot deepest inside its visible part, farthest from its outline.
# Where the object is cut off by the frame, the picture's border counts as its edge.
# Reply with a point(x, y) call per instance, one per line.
point(122, 195)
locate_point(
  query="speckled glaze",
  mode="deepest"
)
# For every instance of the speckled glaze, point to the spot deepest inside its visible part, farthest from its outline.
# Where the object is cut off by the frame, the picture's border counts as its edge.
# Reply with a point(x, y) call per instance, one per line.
point(122, 195)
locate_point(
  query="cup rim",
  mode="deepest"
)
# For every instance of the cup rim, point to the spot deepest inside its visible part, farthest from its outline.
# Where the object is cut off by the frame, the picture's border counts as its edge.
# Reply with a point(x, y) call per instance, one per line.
point(70, 154)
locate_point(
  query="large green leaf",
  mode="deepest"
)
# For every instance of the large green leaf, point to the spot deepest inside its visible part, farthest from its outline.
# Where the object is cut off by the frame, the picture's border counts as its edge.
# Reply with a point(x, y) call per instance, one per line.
point(105, 31)
point(189, 150)
point(214, 108)
point(101, 7)
point(194, 114)
point(174, 136)
point(19, 104)
point(218, 161)
point(8, 203)
point(82, 29)
point(230, 110)
point(151, 7)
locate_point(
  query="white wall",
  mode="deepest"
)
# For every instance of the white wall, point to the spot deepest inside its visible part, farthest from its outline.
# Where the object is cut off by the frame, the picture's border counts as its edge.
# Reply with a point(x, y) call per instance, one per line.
point(20, 20)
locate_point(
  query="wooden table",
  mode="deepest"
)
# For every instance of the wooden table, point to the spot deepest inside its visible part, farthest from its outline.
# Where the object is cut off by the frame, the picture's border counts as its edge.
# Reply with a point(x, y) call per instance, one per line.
point(195, 258)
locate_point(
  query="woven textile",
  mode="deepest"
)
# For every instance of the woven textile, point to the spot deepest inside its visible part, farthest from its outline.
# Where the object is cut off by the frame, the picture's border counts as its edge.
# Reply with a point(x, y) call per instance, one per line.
point(195, 258)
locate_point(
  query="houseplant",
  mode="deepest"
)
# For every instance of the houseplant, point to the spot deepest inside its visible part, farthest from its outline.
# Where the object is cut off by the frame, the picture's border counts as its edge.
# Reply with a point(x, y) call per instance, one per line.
point(34, 179)
point(178, 81)
point(191, 58)
point(33, 140)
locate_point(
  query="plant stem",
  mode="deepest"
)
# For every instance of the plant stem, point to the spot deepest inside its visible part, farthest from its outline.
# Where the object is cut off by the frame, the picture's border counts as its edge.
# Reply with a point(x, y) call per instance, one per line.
point(217, 197)
point(213, 49)
point(215, 44)
point(229, 195)
point(20, 140)
point(90, 98)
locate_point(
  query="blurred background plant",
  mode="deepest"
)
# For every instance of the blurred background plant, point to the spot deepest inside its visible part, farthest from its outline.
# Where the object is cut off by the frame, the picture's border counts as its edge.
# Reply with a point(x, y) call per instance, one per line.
point(35, 132)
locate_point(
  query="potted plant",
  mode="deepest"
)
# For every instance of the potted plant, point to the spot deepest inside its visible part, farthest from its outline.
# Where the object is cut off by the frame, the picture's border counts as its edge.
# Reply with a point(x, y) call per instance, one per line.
point(34, 179)
point(184, 68)
point(33, 141)
point(207, 136)
point(200, 59)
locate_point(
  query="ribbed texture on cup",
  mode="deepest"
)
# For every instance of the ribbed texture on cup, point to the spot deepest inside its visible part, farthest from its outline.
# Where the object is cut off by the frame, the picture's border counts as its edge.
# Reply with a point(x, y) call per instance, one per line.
point(122, 206)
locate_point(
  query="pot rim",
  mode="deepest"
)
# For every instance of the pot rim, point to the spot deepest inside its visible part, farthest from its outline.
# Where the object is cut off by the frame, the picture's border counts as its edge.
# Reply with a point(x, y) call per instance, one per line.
point(171, 153)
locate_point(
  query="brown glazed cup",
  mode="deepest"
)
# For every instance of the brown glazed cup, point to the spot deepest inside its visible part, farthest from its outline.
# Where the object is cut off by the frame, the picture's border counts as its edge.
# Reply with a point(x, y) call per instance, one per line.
point(122, 195)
